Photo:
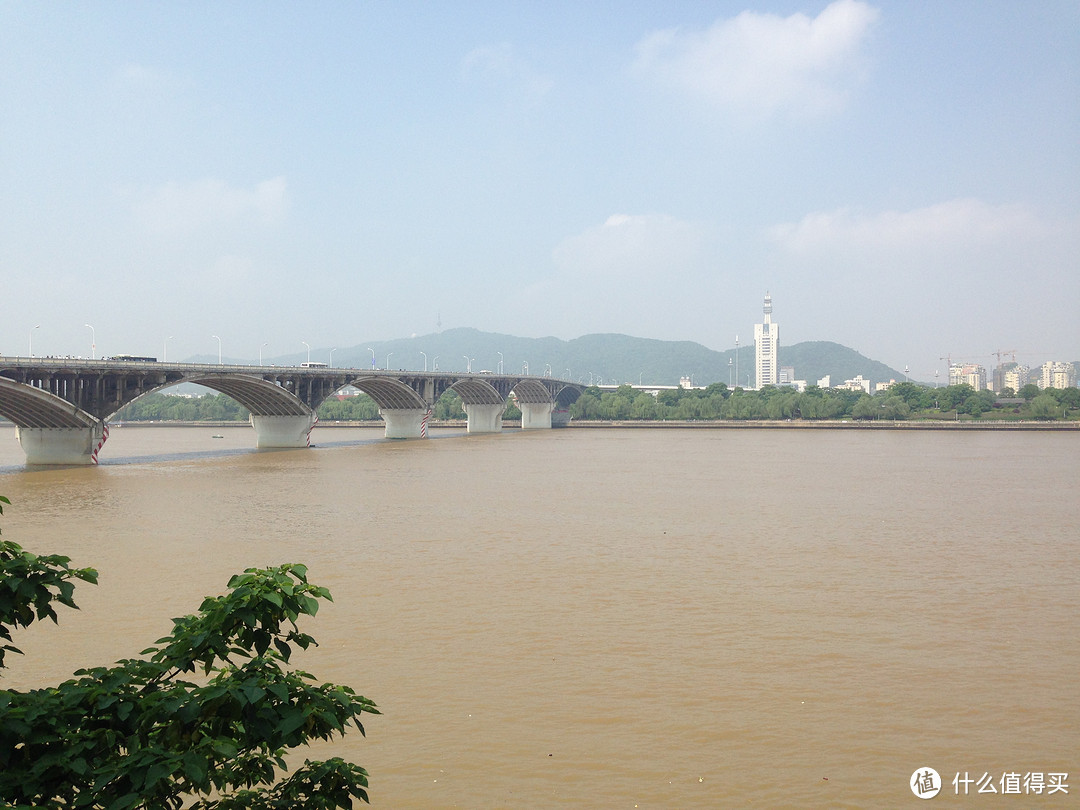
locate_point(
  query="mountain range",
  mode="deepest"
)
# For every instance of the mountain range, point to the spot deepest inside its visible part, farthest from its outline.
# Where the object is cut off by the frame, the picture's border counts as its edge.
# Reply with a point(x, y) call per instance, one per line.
point(600, 358)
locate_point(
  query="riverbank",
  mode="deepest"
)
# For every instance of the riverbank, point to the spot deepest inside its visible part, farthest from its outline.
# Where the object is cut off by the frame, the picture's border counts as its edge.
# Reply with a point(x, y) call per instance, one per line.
point(833, 424)
point(715, 424)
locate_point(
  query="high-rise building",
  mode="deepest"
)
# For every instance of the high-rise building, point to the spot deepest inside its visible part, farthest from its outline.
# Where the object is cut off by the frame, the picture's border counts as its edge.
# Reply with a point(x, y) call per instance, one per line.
point(1000, 370)
point(1057, 375)
point(970, 373)
point(767, 347)
point(1017, 377)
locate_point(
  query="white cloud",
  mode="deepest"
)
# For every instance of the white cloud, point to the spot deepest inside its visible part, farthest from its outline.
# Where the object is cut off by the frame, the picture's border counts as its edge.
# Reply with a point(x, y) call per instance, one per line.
point(954, 224)
point(183, 208)
point(501, 65)
point(633, 273)
point(632, 246)
point(958, 278)
point(755, 65)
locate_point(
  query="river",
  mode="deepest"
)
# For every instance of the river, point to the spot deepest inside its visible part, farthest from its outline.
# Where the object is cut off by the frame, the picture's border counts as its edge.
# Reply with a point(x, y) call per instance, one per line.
point(616, 618)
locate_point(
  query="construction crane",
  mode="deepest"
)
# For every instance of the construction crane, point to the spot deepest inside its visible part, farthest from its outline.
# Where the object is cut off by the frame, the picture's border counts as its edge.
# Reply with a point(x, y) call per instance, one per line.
point(1000, 352)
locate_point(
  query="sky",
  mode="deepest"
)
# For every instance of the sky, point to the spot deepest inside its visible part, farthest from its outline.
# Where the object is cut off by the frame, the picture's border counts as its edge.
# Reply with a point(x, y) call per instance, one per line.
point(902, 177)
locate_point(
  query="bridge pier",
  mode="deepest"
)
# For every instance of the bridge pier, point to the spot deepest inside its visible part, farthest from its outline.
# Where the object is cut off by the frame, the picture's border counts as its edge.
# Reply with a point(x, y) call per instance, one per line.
point(560, 417)
point(283, 431)
point(405, 423)
point(62, 445)
point(536, 415)
point(486, 418)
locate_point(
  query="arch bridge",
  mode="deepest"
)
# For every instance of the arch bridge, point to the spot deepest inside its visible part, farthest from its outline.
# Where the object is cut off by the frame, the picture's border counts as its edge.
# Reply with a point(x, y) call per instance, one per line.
point(61, 406)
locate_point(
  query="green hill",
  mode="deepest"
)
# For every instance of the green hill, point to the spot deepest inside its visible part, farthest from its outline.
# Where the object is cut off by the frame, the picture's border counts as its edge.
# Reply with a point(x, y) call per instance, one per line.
point(606, 358)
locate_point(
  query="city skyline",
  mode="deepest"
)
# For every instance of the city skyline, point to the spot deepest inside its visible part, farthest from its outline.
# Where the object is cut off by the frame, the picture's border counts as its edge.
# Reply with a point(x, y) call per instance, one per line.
point(904, 178)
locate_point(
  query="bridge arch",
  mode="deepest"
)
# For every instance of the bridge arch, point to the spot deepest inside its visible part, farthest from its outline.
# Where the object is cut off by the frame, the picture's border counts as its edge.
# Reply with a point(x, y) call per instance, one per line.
point(261, 397)
point(31, 407)
point(390, 393)
point(478, 391)
point(50, 429)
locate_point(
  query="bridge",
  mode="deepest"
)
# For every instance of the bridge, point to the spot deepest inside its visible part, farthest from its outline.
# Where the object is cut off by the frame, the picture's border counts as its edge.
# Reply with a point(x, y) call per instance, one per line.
point(61, 406)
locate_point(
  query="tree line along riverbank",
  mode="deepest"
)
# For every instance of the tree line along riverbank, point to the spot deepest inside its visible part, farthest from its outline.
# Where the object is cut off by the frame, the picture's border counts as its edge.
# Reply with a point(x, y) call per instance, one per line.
point(902, 403)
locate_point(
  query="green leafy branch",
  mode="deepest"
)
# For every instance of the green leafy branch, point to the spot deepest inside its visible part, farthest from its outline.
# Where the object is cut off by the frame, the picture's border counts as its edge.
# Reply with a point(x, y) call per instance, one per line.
point(138, 735)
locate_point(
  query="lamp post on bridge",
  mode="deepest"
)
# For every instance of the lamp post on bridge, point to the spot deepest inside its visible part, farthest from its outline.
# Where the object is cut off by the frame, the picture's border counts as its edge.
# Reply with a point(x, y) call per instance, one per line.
point(391, 354)
point(425, 360)
point(332, 356)
point(308, 350)
point(93, 342)
point(215, 337)
point(165, 349)
point(372, 357)
point(435, 363)
point(468, 364)
point(500, 361)
point(32, 339)
point(260, 352)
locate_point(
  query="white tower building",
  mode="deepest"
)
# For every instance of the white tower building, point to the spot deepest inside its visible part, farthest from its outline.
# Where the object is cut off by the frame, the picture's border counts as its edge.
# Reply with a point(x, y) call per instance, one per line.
point(767, 347)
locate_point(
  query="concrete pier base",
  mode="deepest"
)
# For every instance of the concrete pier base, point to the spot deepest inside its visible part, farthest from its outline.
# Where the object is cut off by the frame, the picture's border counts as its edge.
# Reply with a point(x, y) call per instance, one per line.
point(484, 418)
point(283, 431)
point(536, 415)
point(560, 417)
point(405, 423)
point(62, 445)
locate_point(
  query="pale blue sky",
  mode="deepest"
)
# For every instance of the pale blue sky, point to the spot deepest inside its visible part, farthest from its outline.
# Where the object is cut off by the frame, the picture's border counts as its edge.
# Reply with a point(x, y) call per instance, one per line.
point(904, 178)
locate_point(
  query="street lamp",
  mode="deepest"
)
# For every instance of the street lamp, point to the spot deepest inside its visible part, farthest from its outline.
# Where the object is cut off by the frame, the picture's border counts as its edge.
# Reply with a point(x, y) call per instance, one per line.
point(260, 352)
point(372, 357)
point(500, 361)
point(332, 356)
point(308, 350)
point(435, 363)
point(32, 339)
point(93, 342)
point(425, 360)
point(215, 337)
point(165, 349)
point(468, 364)
point(388, 360)
point(525, 367)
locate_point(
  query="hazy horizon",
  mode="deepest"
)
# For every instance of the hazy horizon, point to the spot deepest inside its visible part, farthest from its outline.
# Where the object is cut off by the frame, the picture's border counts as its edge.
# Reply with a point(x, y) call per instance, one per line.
point(902, 178)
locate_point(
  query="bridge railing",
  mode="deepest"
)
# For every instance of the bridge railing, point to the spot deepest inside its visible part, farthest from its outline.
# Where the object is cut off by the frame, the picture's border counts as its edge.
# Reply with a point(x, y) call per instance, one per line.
point(111, 364)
